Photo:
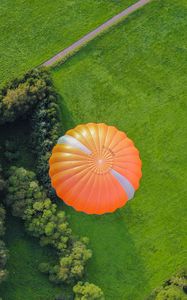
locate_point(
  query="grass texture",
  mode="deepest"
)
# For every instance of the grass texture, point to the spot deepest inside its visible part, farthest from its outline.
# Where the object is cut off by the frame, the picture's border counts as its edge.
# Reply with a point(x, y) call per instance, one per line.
point(135, 77)
point(33, 31)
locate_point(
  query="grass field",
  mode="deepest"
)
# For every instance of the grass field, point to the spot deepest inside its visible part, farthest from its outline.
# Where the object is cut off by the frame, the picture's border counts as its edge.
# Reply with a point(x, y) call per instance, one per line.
point(33, 31)
point(135, 77)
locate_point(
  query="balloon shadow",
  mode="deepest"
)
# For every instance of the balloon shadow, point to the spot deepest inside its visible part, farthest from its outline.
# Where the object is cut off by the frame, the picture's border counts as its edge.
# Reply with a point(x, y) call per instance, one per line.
point(117, 265)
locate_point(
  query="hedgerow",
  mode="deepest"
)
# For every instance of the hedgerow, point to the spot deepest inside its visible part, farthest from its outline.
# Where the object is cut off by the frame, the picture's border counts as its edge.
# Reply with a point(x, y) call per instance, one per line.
point(45, 127)
point(33, 97)
point(29, 201)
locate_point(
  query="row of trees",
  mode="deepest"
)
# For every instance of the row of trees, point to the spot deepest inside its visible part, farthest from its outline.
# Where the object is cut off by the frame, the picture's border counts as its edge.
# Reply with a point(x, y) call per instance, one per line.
point(28, 200)
point(3, 250)
point(33, 97)
point(45, 130)
point(172, 289)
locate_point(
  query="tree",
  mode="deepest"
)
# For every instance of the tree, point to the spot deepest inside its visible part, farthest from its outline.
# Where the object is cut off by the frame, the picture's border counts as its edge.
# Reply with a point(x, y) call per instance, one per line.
point(20, 96)
point(87, 291)
point(3, 250)
point(28, 200)
point(3, 260)
point(171, 292)
point(2, 181)
point(172, 289)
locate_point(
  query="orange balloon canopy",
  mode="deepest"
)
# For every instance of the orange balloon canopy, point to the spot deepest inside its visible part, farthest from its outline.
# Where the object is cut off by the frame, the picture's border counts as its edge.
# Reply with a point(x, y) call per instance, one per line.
point(95, 168)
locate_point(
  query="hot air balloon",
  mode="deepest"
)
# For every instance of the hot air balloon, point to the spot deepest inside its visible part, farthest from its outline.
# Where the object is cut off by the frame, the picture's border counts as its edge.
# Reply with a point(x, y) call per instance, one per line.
point(95, 168)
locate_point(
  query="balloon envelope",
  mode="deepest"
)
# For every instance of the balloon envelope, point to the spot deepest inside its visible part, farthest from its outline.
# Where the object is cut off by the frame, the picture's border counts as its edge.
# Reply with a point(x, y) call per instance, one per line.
point(95, 168)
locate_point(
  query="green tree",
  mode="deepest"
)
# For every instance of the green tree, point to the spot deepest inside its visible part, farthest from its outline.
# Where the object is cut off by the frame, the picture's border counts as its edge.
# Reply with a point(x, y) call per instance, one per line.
point(87, 291)
point(3, 250)
point(43, 220)
point(3, 260)
point(172, 289)
point(171, 292)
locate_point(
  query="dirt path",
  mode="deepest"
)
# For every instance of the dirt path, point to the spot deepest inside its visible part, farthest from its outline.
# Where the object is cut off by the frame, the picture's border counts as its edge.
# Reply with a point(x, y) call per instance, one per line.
point(95, 32)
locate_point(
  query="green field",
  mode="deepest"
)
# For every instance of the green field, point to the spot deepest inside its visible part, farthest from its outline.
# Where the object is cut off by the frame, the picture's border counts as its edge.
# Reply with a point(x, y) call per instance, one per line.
point(32, 31)
point(135, 77)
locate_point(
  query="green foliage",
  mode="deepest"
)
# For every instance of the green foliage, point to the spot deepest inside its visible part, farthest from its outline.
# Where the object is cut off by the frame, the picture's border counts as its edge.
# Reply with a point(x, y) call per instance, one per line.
point(87, 291)
point(25, 281)
point(29, 200)
point(19, 97)
point(71, 266)
point(21, 189)
point(2, 181)
point(172, 289)
point(3, 260)
point(42, 218)
point(171, 292)
point(2, 220)
point(3, 250)
point(11, 152)
point(45, 123)
point(64, 297)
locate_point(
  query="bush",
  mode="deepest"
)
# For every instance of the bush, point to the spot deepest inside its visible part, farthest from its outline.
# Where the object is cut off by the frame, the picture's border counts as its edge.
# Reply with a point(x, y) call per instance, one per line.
point(3, 250)
point(10, 152)
point(21, 188)
point(171, 292)
point(3, 260)
point(19, 97)
point(2, 181)
point(87, 291)
point(64, 296)
point(29, 201)
point(172, 289)
point(71, 267)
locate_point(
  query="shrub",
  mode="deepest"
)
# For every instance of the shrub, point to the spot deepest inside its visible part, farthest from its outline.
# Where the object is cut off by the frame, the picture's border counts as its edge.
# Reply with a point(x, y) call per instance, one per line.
point(64, 296)
point(2, 181)
point(171, 292)
point(3, 250)
point(10, 151)
point(28, 200)
point(71, 266)
point(21, 188)
point(3, 260)
point(87, 291)
point(20, 96)
point(172, 289)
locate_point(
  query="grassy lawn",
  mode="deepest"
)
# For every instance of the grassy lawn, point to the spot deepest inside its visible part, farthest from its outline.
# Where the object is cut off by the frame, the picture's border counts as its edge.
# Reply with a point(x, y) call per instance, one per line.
point(33, 31)
point(135, 77)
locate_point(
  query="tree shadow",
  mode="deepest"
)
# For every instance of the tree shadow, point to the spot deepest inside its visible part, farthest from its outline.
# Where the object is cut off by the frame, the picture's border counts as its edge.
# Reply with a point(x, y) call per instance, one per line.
point(65, 115)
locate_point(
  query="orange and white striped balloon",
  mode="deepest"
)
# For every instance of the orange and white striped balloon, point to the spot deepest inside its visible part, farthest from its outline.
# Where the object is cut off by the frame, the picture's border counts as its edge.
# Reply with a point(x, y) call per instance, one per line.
point(95, 168)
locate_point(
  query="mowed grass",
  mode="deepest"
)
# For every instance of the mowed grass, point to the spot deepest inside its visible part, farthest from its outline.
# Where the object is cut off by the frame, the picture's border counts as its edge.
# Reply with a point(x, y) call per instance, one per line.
point(135, 77)
point(33, 31)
